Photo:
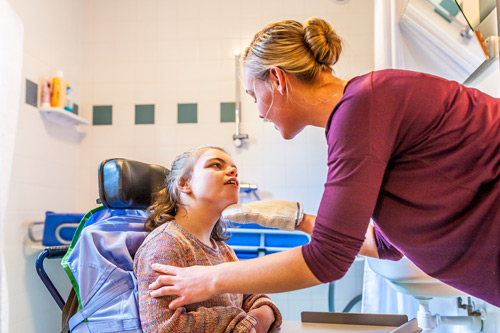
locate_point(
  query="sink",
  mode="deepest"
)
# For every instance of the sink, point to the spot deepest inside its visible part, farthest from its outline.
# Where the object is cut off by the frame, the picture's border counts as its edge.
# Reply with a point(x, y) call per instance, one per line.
point(407, 278)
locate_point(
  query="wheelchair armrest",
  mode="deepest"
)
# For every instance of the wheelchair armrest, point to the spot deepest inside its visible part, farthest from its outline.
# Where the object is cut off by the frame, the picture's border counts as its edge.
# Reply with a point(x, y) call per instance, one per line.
point(51, 252)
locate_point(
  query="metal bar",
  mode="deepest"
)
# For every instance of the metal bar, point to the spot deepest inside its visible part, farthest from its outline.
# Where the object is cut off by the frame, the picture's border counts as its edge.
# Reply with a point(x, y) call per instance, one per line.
point(267, 231)
point(238, 137)
point(237, 106)
point(50, 252)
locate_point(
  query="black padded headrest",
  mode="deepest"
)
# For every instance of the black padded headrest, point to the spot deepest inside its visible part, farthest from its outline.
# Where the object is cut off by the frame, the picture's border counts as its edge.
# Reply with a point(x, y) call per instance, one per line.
point(128, 184)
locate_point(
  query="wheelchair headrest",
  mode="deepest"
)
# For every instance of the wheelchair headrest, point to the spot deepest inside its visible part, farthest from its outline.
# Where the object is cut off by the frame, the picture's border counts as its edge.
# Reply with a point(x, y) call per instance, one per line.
point(128, 184)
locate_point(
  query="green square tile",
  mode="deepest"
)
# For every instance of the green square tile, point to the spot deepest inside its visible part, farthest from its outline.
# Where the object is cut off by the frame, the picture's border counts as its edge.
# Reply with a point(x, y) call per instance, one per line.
point(227, 112)
point(187, 113)
point(145, 114)
point(31, 93)
point(451, 6)
point(102, 115)
point(75, 108)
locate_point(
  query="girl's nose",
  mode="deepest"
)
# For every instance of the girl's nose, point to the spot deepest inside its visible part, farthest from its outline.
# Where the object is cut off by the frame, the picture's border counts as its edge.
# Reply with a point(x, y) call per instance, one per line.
point(232, 171)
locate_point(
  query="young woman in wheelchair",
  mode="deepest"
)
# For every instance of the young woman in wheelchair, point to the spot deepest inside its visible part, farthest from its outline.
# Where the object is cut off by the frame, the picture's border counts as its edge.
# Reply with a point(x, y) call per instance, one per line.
point(186, 230)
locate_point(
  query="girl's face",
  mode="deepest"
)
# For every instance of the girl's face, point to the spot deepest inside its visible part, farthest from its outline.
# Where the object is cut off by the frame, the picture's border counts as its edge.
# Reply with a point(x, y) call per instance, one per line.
point(215, 179)
point(273, 105)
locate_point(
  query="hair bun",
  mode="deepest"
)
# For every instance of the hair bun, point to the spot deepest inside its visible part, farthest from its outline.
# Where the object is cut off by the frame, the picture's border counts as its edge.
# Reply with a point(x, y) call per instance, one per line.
point(323, 41)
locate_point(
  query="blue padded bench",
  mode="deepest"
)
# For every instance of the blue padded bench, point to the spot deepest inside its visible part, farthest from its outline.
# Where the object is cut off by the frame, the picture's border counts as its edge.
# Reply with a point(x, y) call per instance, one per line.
point(252, 240)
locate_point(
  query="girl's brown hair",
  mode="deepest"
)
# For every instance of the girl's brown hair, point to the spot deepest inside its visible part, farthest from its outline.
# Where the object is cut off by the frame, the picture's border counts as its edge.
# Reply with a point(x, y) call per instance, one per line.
point(166, 201)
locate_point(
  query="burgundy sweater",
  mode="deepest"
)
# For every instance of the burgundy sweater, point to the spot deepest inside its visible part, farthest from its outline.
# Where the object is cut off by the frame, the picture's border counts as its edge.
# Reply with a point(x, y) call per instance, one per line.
point(421, 156)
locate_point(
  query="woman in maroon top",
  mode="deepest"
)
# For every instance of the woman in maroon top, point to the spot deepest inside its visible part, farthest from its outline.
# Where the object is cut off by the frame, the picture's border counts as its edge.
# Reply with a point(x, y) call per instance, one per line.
point(418, 154)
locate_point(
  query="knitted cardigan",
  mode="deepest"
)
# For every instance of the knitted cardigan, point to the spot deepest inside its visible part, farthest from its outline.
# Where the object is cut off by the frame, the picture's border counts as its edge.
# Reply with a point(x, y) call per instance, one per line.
point(170, 244)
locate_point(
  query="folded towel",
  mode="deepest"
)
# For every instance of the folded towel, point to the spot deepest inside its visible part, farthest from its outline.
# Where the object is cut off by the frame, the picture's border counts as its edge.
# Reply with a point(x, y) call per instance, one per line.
point(281, 214)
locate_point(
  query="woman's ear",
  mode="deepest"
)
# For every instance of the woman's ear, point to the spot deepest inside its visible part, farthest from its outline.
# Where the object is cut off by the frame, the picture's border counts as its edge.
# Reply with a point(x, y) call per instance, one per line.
point(277, 77)
point(184, 185)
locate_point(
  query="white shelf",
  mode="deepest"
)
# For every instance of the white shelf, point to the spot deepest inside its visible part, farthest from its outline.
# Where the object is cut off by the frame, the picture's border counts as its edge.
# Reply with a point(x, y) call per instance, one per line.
point(63, 117)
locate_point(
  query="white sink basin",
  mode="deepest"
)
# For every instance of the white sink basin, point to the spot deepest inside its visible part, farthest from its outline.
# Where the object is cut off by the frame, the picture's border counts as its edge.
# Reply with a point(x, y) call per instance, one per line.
point(407, 278)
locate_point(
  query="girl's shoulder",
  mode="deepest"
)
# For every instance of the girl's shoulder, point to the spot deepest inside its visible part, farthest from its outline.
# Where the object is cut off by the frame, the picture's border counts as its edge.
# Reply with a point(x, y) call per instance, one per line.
point(226, 251)
point(165, 234)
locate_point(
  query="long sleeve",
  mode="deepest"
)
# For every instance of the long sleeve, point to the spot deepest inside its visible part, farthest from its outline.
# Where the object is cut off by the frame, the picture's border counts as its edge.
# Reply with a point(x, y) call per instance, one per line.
point(384, 248)
point(255, 301)
point(222, 313)
point(418, 155)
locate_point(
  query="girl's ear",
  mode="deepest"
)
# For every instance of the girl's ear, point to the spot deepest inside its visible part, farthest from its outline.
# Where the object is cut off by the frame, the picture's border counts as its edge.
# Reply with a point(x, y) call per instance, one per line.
point(277, 77)
point(184, 185)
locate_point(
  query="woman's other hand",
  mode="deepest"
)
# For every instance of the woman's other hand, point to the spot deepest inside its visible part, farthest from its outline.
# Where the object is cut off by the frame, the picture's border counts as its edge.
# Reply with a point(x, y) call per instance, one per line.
point(191, 284)
point(281, 214)
point(265, 317)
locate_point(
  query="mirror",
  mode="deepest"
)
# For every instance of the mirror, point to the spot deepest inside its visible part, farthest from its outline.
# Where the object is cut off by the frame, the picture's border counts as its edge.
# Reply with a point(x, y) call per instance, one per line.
point(480, 15)
point(476, 11)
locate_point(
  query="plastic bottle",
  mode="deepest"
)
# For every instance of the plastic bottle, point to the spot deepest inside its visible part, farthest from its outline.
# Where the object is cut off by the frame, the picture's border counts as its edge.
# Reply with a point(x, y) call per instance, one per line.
point(58, 99)
point(69, 99)
point(46, 94)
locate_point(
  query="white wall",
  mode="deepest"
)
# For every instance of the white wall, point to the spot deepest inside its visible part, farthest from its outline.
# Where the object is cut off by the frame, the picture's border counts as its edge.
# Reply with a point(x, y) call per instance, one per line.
point(11, 38)
point(169, 52)
point(45, 162)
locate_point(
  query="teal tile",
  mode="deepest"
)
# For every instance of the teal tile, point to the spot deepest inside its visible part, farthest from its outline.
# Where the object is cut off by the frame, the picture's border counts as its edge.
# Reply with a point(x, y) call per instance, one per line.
point(187, 113)
point(451, 6)
point(145, 114)
point(102, 115)
point(31, 93)
point(75, 108)
point(227, 112)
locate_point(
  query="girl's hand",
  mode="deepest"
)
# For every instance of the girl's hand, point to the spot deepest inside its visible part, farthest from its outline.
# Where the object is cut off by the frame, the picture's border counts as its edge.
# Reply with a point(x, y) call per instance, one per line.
point(191, 284)
point(265, 316)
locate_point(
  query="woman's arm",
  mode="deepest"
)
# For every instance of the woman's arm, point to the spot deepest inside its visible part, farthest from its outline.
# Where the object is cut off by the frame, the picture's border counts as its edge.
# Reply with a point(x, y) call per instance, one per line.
point(307, 224)
point(214, 315)
point(369, 247)
point(278, 272)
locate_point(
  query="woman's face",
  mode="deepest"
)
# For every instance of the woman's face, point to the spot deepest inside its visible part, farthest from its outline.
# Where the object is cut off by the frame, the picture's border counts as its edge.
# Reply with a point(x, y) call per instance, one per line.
point(273, 105)
point(215, 179)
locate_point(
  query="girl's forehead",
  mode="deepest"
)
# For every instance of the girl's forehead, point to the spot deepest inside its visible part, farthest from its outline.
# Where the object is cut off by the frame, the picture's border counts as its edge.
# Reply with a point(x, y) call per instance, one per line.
point(213, 153)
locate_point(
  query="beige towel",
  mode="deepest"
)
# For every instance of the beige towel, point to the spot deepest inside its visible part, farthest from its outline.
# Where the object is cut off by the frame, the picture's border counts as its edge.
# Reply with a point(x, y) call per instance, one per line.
point(281, 214)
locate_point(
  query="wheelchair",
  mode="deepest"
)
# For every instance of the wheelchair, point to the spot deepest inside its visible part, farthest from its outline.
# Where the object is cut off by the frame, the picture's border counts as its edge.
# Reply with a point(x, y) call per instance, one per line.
point(99, 260)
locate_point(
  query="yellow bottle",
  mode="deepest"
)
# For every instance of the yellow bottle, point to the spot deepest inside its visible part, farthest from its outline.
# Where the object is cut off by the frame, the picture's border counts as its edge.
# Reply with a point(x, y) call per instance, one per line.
point(58, 99)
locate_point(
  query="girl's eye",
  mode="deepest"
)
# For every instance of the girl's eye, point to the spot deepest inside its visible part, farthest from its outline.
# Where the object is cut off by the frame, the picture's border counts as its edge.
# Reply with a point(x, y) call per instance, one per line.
point(217, 165)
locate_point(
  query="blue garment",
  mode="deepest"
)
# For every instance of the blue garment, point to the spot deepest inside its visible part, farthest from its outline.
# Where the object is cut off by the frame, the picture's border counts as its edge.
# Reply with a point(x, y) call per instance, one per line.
point(99, 264)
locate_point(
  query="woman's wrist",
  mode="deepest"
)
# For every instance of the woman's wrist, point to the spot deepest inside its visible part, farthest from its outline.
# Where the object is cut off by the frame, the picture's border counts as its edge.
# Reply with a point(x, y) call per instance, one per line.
point(214, 284)
point(307, 224)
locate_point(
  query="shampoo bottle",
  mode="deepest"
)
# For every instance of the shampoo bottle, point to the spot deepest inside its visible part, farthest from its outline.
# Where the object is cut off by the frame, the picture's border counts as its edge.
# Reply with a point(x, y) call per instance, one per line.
point(69, 100)
point(58, 99)
point(46, 94)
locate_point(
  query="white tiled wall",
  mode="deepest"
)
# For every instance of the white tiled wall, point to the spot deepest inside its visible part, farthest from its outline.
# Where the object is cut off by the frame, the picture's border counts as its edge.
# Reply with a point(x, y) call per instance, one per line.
point(45, 165)
point(169, 52)
point(162, 52)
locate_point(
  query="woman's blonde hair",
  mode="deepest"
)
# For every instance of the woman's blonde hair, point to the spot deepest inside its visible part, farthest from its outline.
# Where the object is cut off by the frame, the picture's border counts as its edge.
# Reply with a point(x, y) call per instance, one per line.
point(166, 202)
point(303, 50)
